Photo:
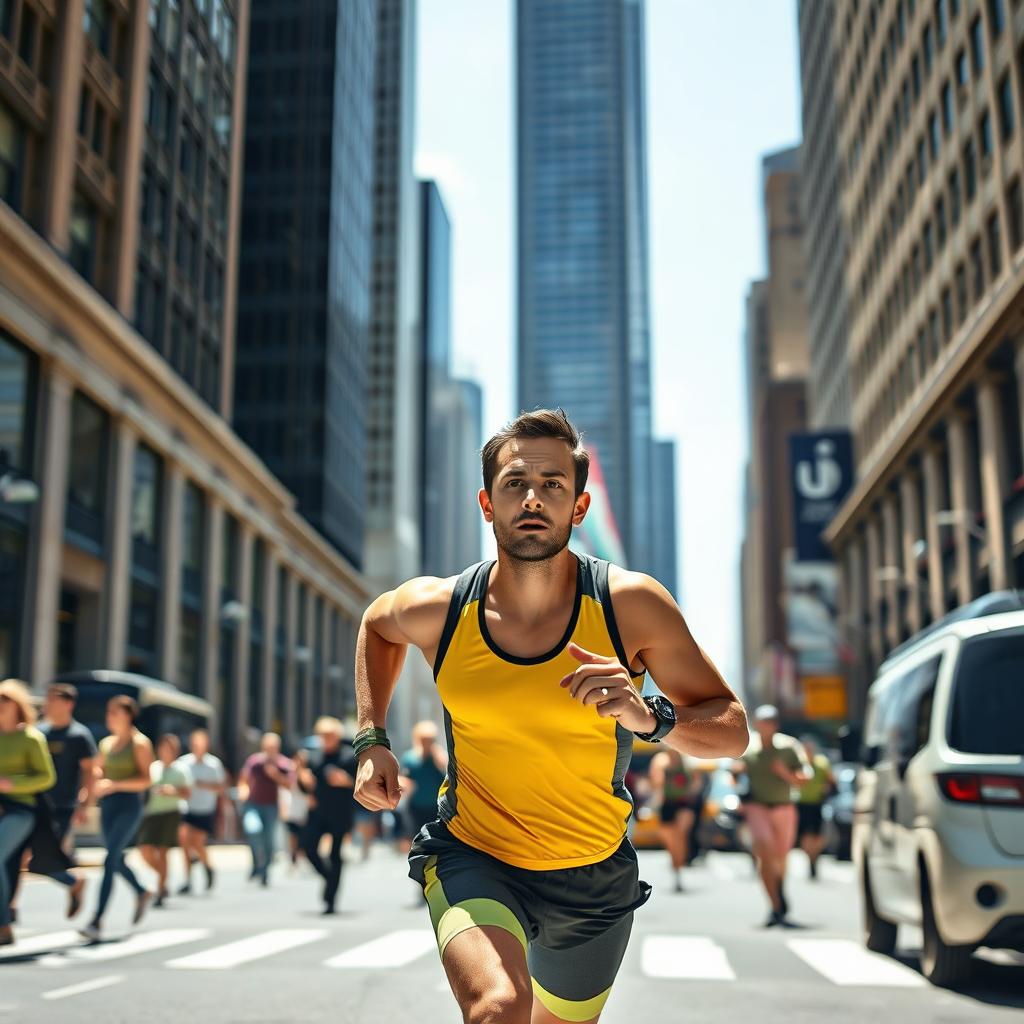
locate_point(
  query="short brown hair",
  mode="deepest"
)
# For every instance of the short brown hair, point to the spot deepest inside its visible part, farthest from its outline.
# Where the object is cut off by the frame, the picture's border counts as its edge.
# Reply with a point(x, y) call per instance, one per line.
point(63, 690)
point(125, 703)
point(539, 423)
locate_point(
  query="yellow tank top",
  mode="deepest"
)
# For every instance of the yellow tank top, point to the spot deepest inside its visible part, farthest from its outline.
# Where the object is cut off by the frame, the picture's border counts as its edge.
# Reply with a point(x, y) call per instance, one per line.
point(118, 765)
point(534, 779)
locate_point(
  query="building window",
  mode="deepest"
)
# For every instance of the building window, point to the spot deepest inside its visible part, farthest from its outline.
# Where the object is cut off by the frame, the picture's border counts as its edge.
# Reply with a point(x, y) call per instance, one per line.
point(928, 48)
point(961, 293)
point(1016, 209)
point(940, 222)
point(985, 130)
point(929, 248)
point(193, 520)
point(83, 237)
point(996, 16)
point(12, 158)
point(962, 72)
point(977, 271)
point(172, 27)
point(96, 22)
point(947, 108)
point(1006, 113)
point(995, 246)
point(188, 651)
point(970, 171)
point(142, 628)
point(941, 22)
point(922, 162)
point(954, 197)
point(27, 35)
point(915, 77)
point(87, 467)
point(934, 135)
point(17, 386)
point(947, 315)
point(146, 496)
point(977, 46)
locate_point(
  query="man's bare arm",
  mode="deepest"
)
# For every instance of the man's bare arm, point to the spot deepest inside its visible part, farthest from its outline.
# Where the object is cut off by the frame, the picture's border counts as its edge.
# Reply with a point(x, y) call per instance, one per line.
point(413, 613)
point(711, 720)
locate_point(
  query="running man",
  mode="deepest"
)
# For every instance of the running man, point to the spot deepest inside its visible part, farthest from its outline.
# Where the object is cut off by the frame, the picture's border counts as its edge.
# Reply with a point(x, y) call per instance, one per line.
point(775, 766)
point(810, 836)
point(161, 818)
point(331, 782)
point(529, 877)
point(424, 765)
point(200, 817)
point(262, 775)
point(679, 790)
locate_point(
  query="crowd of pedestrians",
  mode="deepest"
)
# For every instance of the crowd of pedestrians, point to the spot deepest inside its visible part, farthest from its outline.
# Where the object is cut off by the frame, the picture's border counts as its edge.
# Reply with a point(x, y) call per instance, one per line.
point(161, 799)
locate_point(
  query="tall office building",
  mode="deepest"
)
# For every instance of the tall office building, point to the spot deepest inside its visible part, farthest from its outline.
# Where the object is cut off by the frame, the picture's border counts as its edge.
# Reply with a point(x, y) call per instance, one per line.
point(929, 141)
point(663, 496)
point(304, 288)
point(137, 531)
point(393, 451)
point(777, 361)
point(828, 381)
point(583, 318)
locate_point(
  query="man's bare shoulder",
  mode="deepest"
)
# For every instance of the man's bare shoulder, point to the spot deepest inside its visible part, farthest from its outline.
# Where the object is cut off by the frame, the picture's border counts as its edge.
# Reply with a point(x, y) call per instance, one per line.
point(637, 592)
point(425, 595)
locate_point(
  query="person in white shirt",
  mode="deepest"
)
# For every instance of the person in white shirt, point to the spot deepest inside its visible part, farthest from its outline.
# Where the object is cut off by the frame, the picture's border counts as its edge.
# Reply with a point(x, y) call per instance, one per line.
point(198, 821)
point(295, 803)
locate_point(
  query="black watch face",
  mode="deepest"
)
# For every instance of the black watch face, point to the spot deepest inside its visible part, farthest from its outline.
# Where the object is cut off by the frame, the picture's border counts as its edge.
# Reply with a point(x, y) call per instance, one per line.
point(663, 709)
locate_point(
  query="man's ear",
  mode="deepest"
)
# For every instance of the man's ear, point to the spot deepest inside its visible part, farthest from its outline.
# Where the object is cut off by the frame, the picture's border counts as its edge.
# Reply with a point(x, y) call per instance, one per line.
point(580, 510)
point(485, 505)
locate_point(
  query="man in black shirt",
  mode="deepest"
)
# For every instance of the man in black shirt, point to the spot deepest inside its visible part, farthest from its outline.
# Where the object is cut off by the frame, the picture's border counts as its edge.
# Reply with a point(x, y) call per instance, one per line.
point(331, 781)
point(73, 750)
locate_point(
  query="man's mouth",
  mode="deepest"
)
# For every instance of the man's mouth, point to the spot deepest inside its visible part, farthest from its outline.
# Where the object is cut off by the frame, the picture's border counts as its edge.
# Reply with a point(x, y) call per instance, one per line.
point(531, 525)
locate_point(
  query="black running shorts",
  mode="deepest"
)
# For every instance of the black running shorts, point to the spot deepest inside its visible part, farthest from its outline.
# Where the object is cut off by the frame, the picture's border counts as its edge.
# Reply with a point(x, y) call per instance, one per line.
point(574, 923)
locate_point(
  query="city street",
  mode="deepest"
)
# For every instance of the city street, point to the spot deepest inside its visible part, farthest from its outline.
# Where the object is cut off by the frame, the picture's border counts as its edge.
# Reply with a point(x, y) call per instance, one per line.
point(248, 955)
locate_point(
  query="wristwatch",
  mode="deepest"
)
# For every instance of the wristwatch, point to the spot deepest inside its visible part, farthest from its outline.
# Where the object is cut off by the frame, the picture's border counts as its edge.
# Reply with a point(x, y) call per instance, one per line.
point(665, 714)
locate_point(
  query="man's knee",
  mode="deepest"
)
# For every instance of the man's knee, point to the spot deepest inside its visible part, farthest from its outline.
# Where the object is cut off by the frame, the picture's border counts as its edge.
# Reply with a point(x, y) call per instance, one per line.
point(499, 1003)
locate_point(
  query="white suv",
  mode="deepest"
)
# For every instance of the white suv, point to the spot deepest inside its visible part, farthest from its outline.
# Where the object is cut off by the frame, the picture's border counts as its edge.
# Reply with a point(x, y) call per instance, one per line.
point(938, 834)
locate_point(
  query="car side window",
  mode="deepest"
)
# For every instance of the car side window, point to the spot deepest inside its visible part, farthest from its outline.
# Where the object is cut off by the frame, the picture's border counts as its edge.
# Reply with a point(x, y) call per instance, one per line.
point(913, 712)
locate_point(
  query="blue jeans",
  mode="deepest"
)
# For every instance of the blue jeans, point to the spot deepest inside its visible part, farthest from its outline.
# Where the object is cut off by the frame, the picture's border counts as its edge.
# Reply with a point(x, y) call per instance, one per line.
point(260, 824)
point(120, 817)
point(16, 824)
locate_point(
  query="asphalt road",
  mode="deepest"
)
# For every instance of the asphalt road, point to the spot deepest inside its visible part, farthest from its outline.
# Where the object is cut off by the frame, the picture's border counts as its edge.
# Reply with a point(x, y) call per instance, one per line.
point(243, 954)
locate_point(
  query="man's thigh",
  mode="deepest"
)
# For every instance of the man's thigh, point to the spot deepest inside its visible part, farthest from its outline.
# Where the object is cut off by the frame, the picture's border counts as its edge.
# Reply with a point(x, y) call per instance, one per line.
point(486, 965)
point(783, 822)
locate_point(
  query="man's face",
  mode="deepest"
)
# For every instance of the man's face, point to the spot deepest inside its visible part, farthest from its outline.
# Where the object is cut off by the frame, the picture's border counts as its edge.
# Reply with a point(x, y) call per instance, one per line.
point(57, 709)
point(271, 746)
point(330, 740)
point(425, 740)
point(532, 505)
point(200, 744)
point(766, 730)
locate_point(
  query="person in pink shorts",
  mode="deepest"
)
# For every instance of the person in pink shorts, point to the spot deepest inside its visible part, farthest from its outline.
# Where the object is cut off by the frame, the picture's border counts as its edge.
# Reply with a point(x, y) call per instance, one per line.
point(776, 767)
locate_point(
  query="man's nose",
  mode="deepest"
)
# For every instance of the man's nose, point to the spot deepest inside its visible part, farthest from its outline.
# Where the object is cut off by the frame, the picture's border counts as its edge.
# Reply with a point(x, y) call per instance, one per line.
point(532, 499)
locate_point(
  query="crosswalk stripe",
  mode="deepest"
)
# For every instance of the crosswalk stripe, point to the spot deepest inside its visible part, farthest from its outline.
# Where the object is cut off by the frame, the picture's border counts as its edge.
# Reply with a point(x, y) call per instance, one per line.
point(845, 962)
point(84, 986)
point(40, 944)
point(393, 950)
point(684, 956)
point(245, 950)
point(144, 942)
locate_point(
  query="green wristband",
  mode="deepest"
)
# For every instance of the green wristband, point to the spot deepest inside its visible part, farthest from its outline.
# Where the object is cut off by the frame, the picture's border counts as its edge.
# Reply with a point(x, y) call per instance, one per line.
point(371, 737)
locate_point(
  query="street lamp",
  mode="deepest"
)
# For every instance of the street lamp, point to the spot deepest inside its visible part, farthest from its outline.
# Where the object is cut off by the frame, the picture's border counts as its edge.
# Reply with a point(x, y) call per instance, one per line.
point(18, 490)
point(961, 517)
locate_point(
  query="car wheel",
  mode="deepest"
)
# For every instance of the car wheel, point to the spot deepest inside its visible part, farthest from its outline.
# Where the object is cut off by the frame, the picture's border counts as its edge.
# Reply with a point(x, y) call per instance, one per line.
point(942, 964)
point(879, 934)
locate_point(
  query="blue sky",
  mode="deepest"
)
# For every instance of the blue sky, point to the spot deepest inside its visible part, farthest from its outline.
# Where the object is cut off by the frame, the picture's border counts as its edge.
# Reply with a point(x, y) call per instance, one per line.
point(722, 90)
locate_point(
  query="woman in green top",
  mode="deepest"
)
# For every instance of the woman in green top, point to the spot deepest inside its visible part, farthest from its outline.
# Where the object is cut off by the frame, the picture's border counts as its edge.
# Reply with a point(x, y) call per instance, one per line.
point(26, 768)
point(162, 816)
point(123, 777)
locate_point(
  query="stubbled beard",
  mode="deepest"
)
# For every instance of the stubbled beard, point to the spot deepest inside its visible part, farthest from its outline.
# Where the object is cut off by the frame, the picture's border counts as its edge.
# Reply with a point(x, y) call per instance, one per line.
point(529, 547)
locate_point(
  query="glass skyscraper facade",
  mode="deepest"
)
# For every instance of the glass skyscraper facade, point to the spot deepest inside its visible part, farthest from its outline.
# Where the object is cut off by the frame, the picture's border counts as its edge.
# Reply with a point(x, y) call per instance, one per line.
point(583, 312)
point(304, 286)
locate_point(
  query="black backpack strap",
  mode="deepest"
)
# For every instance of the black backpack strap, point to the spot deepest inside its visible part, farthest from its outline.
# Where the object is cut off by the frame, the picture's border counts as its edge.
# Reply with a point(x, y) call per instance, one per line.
point(466, 587)
point(603, 591)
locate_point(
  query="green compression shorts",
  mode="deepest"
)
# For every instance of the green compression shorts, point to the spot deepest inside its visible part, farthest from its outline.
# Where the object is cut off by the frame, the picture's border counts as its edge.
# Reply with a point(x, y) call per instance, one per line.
point(574, 923)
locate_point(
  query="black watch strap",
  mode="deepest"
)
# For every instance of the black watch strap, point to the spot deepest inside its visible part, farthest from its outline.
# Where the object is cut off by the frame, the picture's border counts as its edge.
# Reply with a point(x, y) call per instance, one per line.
point(666, 719)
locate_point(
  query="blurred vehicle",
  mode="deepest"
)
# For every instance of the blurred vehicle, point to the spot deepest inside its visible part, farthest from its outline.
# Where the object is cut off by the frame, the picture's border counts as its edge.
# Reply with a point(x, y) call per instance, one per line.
point(938, 833)
point(721, 820)
point(163, 708)
point(837, 813)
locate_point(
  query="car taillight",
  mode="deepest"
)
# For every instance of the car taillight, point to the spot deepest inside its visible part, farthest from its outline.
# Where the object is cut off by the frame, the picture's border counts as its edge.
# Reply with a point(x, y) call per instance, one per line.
point(994, 790)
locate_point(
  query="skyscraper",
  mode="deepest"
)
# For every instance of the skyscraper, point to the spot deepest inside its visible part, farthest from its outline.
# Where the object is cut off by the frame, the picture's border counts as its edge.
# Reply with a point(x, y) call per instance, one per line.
point(304, 287)
point(663, 497)
point(828, 382)
point(393, 451)
point(137, 531)
point(583, 318)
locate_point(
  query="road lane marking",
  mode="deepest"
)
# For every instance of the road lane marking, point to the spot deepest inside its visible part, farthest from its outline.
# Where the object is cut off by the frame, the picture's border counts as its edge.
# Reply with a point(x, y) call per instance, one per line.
point(40, 944)
point(144, 942)
point(84, 986)
point(393, 950)
point(684, 956)
point(244, 950)
point(845, 962)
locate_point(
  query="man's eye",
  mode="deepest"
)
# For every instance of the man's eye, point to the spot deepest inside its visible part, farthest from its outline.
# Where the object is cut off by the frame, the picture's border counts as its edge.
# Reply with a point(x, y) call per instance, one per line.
point(512, 483)
point(554, 483)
